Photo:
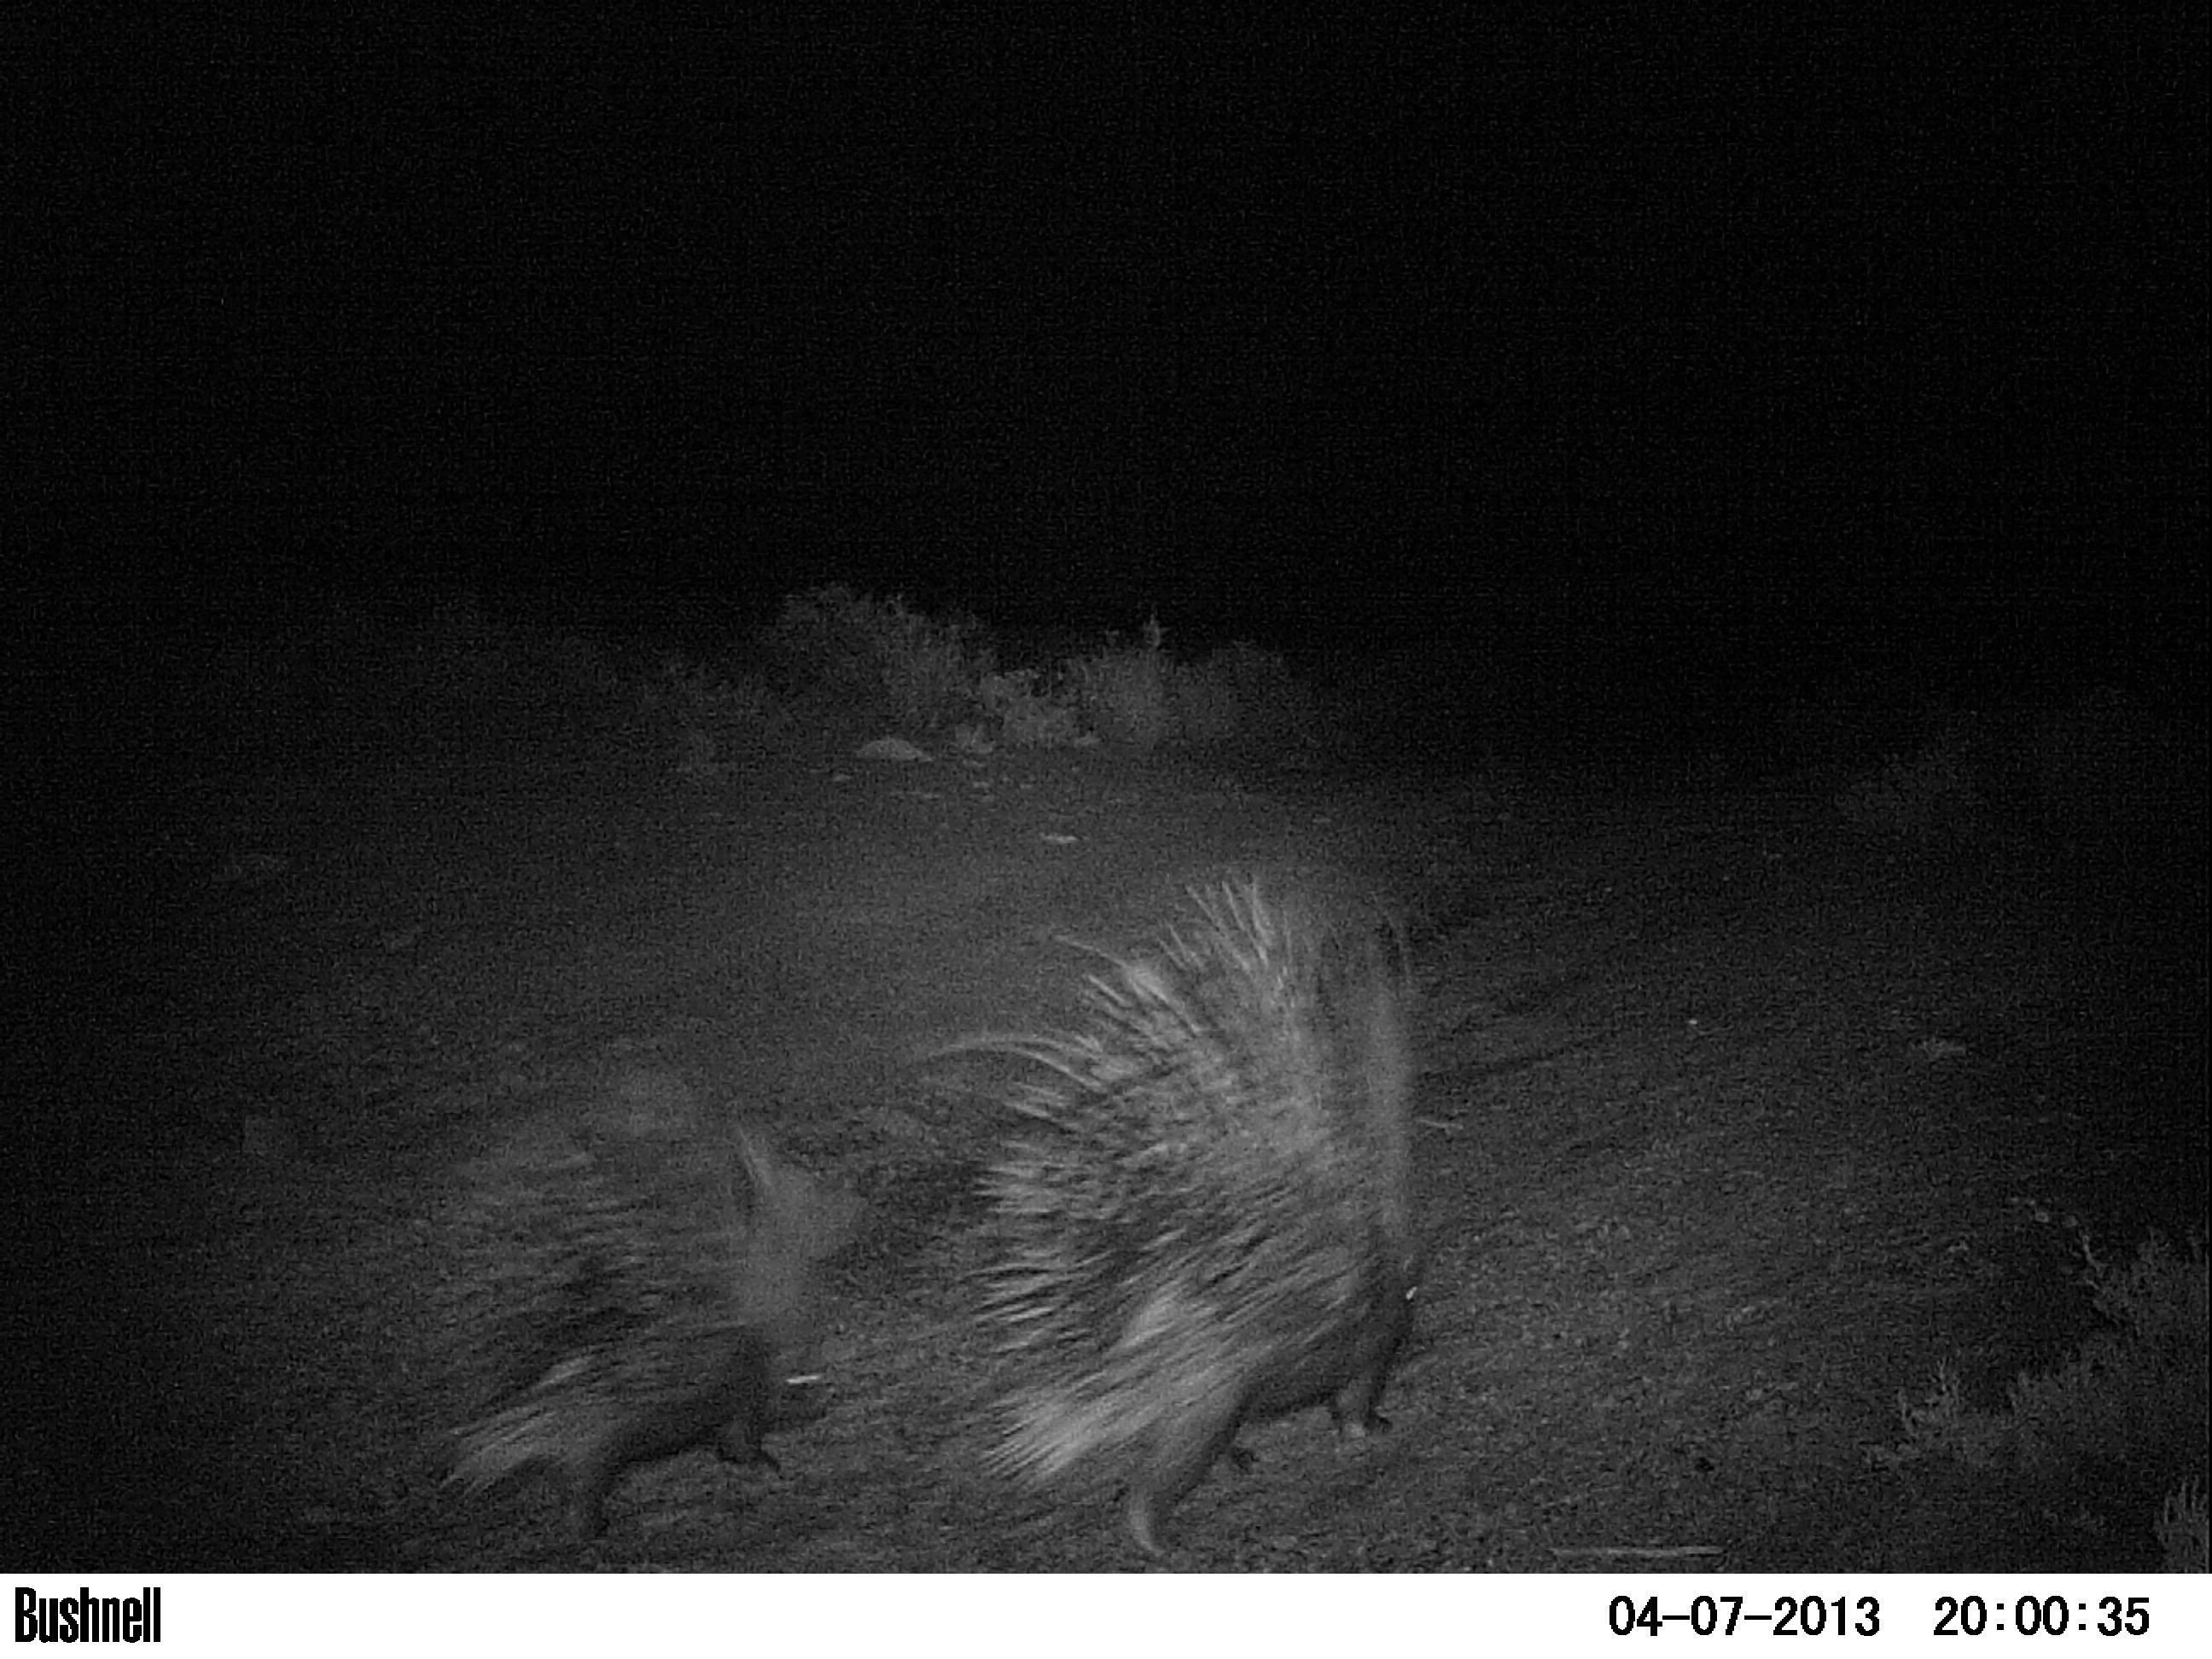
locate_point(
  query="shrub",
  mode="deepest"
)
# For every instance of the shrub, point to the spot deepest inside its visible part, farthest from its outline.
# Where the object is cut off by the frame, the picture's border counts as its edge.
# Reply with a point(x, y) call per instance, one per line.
point(833, 641)
point(2137, 1390)
point(2181, 1530)
point(2133, 1397)
point(1027, 717)
point(1122, 691)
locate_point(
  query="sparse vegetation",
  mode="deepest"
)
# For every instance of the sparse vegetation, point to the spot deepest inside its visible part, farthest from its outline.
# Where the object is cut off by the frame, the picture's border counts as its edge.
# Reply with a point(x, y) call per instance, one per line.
point(829, 648)
point(2134, 1398)
point(2181, 1530)
point(935, 675)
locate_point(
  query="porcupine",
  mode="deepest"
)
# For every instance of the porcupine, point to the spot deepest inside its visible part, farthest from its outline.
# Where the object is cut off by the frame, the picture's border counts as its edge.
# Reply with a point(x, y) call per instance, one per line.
point(630, 1285)
point(1207, 1219)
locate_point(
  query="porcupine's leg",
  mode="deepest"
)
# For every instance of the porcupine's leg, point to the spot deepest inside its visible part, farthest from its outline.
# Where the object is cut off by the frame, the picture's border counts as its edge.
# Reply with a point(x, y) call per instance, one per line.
point(788, 1401)
point(1353, 1411)
point(729, 1413)
point(740, 1404)
point(591, 1479)
point(1355, 1408)
point(738, 1441)
point(646, 1437)
point(1182, 1451)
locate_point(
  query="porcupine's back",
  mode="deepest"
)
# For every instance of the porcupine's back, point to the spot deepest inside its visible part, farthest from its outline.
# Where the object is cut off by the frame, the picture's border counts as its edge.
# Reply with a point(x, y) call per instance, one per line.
point(1207, 1219)
point(627, 1288)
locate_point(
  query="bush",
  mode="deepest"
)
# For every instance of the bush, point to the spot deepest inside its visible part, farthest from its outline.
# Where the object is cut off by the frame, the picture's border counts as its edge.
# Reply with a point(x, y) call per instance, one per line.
point(2134, 1397)
point(935, 674)
point(1025, 716)
point(2181, 1530)
point(873, 653)
point(1121, 692)
point(2136, 1390)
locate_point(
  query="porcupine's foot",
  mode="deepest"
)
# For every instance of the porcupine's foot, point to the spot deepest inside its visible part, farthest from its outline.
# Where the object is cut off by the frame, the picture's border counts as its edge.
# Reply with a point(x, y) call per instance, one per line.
point(1356, 1408)
point(739, 1443)
point(796, 1402)
point(1354, 1411)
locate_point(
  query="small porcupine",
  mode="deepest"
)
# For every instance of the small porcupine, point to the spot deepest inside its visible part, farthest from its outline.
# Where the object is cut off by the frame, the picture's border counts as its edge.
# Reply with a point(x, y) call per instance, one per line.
point(629, 1285)
point(1207, 1218)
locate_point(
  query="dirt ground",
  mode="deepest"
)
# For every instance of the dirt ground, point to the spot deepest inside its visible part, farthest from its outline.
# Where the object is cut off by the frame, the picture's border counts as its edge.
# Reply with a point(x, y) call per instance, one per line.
point(1731, 1128)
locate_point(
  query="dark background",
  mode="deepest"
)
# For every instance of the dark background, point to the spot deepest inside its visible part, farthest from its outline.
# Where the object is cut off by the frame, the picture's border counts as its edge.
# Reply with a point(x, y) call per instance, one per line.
point(1715, 363)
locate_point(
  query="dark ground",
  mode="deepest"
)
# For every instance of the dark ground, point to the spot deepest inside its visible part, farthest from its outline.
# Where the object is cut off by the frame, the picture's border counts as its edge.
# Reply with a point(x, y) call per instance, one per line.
point(1732, 1126)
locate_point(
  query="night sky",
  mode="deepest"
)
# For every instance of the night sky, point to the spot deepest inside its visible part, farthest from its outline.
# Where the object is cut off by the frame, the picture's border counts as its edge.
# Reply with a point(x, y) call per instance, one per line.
point(1761, 345)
